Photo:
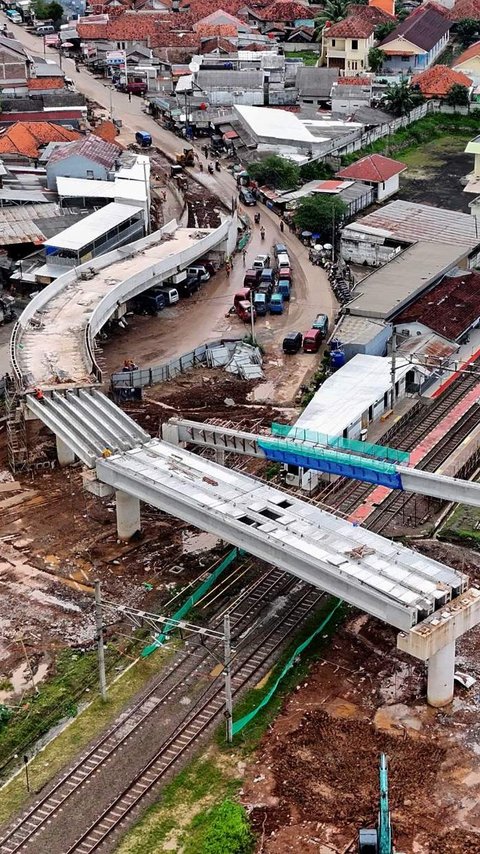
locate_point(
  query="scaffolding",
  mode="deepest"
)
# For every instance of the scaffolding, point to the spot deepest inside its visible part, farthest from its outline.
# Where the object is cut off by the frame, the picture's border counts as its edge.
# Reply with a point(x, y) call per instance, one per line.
point(16, 429)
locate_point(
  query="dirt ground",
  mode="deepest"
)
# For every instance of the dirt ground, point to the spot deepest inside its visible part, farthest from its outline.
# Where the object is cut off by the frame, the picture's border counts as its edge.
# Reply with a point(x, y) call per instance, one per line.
point(434, 173)
point(315, 779)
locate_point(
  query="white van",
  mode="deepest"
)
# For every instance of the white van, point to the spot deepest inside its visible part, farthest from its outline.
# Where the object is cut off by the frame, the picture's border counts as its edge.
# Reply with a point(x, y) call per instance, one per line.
point(171, 295)
point(283, 260)
point(45, 30)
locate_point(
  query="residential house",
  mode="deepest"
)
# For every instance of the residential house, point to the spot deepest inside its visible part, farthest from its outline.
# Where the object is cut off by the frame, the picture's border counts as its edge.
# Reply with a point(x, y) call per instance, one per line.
point(376, 171)
point(469, 62)
point(14, 67)
point(221, 18)
point(473, 179)
point(348, 98)
point(27, 139)
point(417, 42)
point(288, 12)
point(89, 157)
point(224, 88)
point(45, 76)
point(314, 85)
point(437, 81)
point(347, 43)
point(450, 309)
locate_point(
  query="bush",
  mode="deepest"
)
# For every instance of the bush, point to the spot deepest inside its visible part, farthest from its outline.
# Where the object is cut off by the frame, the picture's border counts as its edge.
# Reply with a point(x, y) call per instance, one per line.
point(222, 829)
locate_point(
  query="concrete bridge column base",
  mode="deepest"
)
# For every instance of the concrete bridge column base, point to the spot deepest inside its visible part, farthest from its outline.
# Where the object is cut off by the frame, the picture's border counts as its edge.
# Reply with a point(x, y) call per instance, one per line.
point(65, 455)
point(128, 515)
point(220, 456)
point(441, 669)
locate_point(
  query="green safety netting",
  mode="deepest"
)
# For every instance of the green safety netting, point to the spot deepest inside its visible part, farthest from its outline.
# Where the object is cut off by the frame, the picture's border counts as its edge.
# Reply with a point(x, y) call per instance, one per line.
point(349, 445)
point(326, 454)
point(237, 726)
point(191, 601)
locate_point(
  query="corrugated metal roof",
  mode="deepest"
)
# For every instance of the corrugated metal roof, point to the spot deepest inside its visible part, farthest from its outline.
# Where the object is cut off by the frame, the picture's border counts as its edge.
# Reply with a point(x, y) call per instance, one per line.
point(411, 222)
point(25, 224)
point(92, 226)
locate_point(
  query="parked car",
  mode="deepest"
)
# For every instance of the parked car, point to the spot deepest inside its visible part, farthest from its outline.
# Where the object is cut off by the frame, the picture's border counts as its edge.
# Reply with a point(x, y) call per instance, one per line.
point(251, 278)
point(283, 260)
point(134, 87)
point(276, 304)
point(321, 323)
point(260, 302)
point(312, 341)
point(209, 266)
point(244, 309)
point(171, 295)
point(265, 288)
point(246, 197)
point(150, 302)
point(261, 261)
point(188, 287)
point(283, 287)
point(201, 272)
point(279, 249)
point(242, 295)
point(286, 273)
point(268, 275)
point(292, 342)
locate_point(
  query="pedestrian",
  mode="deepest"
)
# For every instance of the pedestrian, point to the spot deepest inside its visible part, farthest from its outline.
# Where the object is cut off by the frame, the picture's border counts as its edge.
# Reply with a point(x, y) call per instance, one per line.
point(129, 96)
point(282, 225)
point(227, 269)
point(244, 253)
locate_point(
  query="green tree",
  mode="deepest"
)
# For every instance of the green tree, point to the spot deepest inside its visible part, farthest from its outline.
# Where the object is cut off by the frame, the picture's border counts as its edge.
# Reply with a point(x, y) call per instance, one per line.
point(383, 30)
point(401, 98)
point(39, 10)
point(458, 96)
point(54, 11)
point(315, 170)
point(321, 214)
point(467, 30)
point(401, 11)
point(275, 172)
point(376, 58)
point(333, 11)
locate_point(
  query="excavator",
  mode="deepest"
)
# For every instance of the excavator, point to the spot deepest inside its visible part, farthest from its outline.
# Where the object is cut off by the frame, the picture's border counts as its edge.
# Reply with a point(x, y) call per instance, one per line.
point(185, 157)
point(379, 840)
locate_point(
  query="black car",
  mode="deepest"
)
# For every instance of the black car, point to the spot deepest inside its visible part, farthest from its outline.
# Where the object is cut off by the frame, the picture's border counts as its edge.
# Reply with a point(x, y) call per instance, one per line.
point(292, 342)
point(246, 197)
point(188, 287)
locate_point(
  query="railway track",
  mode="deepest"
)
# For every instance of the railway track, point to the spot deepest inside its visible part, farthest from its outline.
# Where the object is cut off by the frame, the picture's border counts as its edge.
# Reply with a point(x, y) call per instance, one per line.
point(345, 495)
point(246, 608)
point(196, 724)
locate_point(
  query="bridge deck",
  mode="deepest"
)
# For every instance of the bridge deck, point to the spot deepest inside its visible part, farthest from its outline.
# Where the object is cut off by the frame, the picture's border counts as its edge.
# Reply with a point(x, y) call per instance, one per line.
point(385, 579)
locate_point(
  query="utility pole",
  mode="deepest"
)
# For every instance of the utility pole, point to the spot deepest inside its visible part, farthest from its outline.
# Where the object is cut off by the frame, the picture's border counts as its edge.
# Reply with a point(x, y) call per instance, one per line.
point(99, 638)
point(111, 102)
point(228, 678)
point(394, 364)
point(252, 318)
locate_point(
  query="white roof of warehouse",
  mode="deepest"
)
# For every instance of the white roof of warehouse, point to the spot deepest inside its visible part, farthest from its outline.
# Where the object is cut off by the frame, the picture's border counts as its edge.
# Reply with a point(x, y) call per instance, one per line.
point(347, 394)
point(93, 226)
point(120, 188)
point(275, 123)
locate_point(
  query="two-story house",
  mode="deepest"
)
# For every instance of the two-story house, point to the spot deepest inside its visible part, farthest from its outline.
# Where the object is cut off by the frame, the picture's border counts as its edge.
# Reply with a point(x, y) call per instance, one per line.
point(14, 67)
point(417, 42)
point(346, 44)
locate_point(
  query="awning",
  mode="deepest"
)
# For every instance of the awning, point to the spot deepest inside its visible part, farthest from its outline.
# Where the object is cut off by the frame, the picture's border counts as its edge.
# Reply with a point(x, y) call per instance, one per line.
point(230, 134)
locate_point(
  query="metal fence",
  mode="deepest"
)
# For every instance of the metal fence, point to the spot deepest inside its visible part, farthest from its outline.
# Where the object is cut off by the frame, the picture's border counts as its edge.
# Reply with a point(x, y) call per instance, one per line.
point(169, 370)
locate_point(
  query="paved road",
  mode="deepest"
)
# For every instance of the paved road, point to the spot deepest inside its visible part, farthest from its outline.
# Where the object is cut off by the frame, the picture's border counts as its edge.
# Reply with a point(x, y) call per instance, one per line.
point(180, 329)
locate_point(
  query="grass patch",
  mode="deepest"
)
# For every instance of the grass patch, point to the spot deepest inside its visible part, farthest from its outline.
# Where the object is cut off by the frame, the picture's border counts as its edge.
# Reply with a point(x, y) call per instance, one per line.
point(309, 57)
point(424, 131)
point(432, 154)
point(462, 526)
point(204, 784)
point(80, 732)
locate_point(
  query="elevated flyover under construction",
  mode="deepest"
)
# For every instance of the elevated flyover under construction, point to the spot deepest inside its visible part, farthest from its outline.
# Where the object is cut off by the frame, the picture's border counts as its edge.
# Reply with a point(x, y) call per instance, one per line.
point(430, 603)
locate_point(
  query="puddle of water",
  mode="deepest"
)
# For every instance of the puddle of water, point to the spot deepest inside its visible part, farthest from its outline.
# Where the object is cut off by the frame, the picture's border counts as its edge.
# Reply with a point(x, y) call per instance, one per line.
point(192, 543)
point(263, 391)
point(21, 679)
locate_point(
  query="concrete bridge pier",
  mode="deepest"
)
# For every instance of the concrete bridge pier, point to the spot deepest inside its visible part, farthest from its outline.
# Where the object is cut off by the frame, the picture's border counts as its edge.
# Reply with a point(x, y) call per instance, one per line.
point(65, 455)
point(128, 514)
point(441, 670)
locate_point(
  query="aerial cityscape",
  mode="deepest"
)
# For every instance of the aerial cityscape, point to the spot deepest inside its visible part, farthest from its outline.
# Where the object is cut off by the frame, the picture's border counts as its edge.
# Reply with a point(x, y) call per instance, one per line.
point(239, 427)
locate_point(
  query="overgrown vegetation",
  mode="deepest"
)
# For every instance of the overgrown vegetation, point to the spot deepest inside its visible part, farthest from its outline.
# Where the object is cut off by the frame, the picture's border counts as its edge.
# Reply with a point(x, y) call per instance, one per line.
point(308, 57)
point(222, 828)
point(316, 170)
point(47, 11)
point(401, 98)
point(462, 526)
point(419, 132)
point(275, 172)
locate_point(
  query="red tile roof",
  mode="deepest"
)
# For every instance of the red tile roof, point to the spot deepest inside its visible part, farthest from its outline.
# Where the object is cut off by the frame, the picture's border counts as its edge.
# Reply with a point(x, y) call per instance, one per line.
point(354, 81)
point(26, 138)
point(284, 10)
point(450, 308)
point(209, 45)
point(470, 53)
point(431, 5)
point(373, 167)
point(424, 28)
point(370, 13)
point(354, 27)
point(45, 83)
point(107, 131)
point(207, 30)
point(465, 9)
point(437, 81)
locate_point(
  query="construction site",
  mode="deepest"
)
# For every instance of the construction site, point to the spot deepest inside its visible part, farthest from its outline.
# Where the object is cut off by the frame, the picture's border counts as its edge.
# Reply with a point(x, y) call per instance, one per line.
point(217, 511)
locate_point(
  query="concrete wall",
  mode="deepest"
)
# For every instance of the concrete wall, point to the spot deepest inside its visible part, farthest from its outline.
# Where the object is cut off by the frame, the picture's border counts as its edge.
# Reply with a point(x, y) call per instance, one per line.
point(362, 252)
point(74, 167)
point(388, 188)
point(377, 345)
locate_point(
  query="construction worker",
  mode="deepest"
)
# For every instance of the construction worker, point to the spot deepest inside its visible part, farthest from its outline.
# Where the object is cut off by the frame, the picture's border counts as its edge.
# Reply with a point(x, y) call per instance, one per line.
point(106, 453)
point(38, 394)
point(228, 268)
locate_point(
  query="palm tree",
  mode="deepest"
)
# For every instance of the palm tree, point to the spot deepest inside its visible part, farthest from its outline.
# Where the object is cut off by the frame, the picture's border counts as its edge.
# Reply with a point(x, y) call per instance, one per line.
point(333, 11)
point(401, 98)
